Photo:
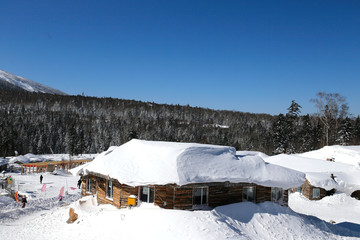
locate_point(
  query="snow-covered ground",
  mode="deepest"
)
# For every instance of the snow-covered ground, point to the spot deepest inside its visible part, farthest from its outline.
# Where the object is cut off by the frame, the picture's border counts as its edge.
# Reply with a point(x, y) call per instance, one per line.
point(340, 208)
point(27, 158)
point(38, 201)
point(45, 218)
point(342, 154)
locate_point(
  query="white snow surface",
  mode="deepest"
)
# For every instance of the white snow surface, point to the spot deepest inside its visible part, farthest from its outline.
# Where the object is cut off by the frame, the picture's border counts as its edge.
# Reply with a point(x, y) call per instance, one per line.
point(27, 84)
point(340, 208)
point(251, 153)
point(318, 172)
point(45, 217)
point(342, 154)
point(28, 158)
point(140, 162)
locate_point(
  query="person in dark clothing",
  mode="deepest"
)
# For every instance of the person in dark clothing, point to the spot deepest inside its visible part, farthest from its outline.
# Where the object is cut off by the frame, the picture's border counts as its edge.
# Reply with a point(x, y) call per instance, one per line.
point(41, 178)
point(79, 183)
point(23, 200)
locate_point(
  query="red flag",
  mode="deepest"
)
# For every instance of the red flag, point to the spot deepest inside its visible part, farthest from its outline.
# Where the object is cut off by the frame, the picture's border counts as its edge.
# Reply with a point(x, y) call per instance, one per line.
point(43, 189)
point(62, 191)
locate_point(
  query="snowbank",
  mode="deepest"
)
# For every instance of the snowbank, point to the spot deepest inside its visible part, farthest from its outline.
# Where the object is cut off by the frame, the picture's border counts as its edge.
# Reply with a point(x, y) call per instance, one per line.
point(342, 154)
point(251, 153)
point(241, 221)
point(26, 158)
point(141, 162)
point(318, 172)
point(338, 207)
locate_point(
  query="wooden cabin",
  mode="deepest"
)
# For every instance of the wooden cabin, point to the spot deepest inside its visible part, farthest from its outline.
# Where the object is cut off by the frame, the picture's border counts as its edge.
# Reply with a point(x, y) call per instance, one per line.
point(184, 176)
point(311, 192)
point(172, 196)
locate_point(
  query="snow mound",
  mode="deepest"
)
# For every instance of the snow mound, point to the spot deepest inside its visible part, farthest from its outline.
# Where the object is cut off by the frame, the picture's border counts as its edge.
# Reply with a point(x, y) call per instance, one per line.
point(342, 154)
point(251, 153)
point(85, 205)
point(61, 172)
point(338, 207)
point(28, 158)
point(318, 172)
point(140, 162)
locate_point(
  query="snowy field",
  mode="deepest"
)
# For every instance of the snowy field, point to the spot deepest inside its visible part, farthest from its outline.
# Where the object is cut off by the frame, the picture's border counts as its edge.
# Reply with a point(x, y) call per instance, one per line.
point(45, 217)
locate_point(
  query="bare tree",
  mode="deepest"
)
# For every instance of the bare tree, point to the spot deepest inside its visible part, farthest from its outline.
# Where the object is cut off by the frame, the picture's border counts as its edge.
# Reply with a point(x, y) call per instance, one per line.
point(330, 108)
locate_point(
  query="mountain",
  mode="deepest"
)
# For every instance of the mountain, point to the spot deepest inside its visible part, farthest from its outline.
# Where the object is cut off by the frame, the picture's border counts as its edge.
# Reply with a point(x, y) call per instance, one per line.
point(11, 81)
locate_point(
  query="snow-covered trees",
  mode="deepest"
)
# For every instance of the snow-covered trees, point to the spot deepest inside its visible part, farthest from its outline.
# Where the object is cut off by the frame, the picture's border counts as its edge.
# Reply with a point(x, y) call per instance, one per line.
point(41, 123)
point(331, 108)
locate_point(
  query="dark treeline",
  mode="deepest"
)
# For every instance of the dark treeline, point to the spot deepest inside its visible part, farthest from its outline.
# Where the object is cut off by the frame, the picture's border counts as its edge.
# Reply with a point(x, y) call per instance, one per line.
point(45, 123)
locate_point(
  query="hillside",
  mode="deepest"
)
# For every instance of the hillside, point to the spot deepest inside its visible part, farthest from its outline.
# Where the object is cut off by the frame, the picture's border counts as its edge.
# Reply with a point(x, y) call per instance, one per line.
point(25, 84)
point(43, 123)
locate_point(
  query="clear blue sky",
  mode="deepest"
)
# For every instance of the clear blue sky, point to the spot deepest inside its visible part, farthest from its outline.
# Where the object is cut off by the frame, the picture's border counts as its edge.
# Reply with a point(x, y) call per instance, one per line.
point(251, 56)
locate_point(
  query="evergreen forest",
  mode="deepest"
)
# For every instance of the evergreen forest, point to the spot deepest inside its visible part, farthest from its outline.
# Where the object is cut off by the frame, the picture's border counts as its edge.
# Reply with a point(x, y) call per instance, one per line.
point(45, 123)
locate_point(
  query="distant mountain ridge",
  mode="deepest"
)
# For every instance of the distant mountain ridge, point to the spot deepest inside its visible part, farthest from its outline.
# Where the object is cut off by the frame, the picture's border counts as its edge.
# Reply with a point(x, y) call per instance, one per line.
point(26, 84)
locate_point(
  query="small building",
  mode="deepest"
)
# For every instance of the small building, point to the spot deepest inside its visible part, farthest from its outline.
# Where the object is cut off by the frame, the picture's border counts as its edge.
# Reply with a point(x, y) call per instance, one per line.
point(323, 178)
point(184, 176)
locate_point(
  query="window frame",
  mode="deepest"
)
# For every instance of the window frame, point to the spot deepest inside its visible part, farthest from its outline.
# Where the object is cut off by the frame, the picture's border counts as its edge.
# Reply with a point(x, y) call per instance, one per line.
point(247, 195)
point(318, 193)
point(278, 191)
point(203, 201)
point(88, 185)
point(109, 195)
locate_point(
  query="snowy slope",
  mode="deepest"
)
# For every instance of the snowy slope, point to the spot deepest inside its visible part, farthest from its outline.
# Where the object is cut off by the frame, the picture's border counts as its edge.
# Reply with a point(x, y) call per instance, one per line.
point(343, 154)
point(318, 171)
point(340, 208)
point(27, 84)
point(140, 162)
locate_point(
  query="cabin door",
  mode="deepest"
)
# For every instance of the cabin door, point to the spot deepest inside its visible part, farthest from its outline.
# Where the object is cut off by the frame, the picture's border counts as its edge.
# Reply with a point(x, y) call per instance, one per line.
point(147, 194)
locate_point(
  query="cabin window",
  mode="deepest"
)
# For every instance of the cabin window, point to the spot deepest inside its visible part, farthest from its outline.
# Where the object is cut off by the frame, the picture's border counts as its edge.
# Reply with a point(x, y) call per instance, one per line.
point(299, 190)
point(249, 194)
point(316, 193)
point(147, 194)
point(109, 189)
point(277, 194)
point(88, 185)
point(200, 196)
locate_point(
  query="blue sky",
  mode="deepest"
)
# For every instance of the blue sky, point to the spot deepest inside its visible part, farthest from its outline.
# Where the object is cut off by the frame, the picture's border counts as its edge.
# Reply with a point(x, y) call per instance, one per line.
point(250, 56)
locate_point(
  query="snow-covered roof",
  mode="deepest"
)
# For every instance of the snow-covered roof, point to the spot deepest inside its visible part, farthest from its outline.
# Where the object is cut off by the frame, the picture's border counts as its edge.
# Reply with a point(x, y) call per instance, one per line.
point(140, 162)
point(318, 171)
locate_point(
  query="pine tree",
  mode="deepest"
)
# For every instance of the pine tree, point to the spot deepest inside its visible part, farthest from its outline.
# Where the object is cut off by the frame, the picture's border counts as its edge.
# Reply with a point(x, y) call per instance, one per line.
point(291, 126)
point(306, 135)
point(71, 140)
point(280, 139)
point(346, 132)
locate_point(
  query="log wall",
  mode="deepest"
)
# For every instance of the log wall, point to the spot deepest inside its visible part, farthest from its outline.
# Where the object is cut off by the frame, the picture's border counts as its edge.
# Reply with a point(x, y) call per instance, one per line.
point(172, 196)
point(307, 191)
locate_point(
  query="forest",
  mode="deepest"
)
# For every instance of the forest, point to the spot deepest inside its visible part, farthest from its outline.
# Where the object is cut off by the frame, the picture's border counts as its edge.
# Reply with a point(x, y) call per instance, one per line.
point(45, 123)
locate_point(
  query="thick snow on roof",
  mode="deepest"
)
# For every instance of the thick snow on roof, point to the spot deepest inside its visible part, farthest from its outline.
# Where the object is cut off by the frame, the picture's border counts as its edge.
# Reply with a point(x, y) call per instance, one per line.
point(318, 171)
point(343, 154)
point(139, 162)
point(251, 153)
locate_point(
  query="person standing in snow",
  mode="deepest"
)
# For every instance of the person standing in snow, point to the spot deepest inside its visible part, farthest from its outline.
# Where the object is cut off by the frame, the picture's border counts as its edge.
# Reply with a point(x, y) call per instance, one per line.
point(41, 178)
point(23, 200)
point(79, 183)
